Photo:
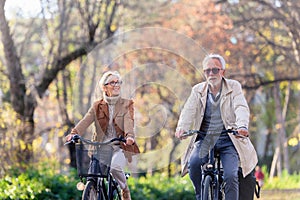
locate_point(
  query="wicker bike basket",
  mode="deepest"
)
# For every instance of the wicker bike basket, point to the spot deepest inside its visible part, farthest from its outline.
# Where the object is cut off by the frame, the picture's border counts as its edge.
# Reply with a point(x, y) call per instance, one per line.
point(93, 160)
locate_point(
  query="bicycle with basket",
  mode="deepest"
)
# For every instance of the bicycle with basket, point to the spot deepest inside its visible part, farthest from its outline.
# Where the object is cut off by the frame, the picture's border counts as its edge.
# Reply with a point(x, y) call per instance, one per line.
point(93, 161)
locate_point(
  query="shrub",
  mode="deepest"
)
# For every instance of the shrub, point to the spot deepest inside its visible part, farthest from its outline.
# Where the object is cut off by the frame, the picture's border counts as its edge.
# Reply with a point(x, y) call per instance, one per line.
point(44, 182)
point(38, 184)
point(285, 181)
point(160, 187)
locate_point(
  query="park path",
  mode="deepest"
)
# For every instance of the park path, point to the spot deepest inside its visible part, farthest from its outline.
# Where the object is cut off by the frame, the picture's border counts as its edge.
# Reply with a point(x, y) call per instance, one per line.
point(293, 194)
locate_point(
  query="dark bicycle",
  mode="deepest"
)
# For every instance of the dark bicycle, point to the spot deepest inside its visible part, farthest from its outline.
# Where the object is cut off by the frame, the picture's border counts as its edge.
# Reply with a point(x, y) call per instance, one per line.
point(93, 161)
point(212, 182)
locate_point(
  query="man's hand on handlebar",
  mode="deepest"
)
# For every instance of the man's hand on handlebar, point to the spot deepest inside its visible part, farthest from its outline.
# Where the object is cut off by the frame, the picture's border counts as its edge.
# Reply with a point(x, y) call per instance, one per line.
point(242, 132)
point(179, 133)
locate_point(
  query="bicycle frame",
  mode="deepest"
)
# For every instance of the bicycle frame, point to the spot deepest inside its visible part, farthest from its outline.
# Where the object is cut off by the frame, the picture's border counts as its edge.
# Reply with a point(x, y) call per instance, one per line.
point(213, 169)
point(211, 172)
point(106, 186)
point(98, 182)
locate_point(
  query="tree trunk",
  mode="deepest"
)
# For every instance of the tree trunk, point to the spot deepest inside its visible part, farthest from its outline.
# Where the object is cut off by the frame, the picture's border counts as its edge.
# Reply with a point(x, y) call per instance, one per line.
point(281, 140)
point(172, 155)
point(22, 99)
point(275, 162)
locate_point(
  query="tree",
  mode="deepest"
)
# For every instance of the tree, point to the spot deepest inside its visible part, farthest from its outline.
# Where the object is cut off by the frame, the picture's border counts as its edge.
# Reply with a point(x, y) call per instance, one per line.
point(174, 70)
point(255, 38)
point(271, 31)
point(69, 30)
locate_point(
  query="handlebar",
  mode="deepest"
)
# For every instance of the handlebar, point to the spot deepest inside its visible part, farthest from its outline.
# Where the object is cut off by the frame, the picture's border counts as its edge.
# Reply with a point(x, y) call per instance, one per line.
point(75, 139)
point(211, 133)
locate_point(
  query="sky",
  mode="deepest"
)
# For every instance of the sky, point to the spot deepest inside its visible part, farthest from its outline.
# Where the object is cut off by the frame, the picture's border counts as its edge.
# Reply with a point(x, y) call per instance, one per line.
point(27, 7)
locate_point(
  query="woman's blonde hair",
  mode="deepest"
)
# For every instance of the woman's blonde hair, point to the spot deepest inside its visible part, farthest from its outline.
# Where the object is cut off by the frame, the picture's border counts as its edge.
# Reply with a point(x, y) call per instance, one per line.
point(106, 76)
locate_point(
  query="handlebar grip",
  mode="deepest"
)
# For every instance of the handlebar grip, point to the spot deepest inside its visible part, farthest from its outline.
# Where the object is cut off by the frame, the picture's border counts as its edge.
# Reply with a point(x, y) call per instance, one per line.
point(187, 134)
point(74, 139)
point(237, 134)
point(192, 132)
point(120, 139)
point(123, 140)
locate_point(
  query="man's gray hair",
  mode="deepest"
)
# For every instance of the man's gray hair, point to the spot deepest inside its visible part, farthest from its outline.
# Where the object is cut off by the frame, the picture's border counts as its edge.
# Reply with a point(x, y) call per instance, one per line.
point(216, 56)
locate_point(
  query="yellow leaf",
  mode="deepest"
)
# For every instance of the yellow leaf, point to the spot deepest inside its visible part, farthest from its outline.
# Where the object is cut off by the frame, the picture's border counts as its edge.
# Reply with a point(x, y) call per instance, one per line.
point(293, 142)
point(37, 143)
point(61, 133)
point(22, 145)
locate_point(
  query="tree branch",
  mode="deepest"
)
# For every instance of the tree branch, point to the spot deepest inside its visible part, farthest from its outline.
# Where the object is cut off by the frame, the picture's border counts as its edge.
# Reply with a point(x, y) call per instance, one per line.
point(254, 81)
point(59, 64)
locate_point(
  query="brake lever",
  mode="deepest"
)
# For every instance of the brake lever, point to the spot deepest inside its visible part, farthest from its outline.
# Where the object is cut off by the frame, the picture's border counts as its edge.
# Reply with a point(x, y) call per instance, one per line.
point(123, 140)
point(187, 134)
point(236, 134)
point(69, 142)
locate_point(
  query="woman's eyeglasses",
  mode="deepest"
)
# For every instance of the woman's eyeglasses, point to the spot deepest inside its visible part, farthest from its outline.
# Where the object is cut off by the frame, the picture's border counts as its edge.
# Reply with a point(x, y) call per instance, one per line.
point(213, 70)
point(114, 83)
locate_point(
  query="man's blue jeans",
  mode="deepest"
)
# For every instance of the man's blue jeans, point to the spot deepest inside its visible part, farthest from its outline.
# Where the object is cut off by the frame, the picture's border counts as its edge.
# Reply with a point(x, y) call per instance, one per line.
point(230, 162)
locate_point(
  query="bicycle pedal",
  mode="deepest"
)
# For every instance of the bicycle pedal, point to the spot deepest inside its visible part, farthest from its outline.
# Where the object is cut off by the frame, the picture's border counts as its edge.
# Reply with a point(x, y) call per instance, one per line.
point(207, 166)
point(80, 186)
point(127, 175)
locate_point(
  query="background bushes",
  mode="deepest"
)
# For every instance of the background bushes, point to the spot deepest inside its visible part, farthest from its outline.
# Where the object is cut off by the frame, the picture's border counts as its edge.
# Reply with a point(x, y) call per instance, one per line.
point(39, 183)
point(47, 183)
point(160, 187)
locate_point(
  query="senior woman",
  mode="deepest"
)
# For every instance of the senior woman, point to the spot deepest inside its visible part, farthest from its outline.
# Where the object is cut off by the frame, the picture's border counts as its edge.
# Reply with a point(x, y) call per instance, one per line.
point(113, 116)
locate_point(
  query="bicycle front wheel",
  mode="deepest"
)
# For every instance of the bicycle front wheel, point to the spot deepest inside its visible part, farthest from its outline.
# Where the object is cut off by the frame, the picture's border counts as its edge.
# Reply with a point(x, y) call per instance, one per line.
point(90, 191)
point(116, 191)
point(207, 193)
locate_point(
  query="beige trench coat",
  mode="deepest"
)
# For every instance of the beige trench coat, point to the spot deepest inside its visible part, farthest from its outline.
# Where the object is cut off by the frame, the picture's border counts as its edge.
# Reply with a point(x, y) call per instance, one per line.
point(234, 113)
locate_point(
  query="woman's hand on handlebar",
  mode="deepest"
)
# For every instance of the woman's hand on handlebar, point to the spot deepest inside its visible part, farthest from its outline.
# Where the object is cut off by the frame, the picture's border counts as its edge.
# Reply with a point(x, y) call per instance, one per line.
point(69, 137)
